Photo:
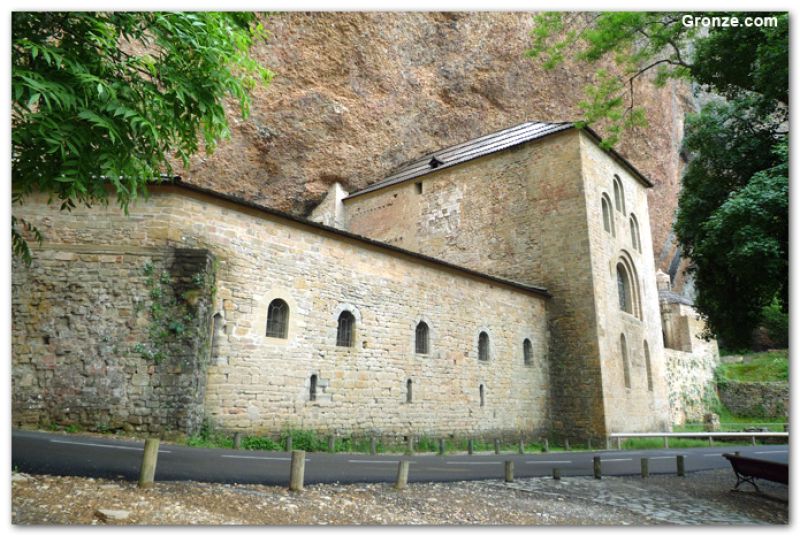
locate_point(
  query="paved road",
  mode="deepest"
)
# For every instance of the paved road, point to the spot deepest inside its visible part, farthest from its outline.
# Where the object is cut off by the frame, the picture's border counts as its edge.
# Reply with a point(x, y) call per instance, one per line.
point(59, 454)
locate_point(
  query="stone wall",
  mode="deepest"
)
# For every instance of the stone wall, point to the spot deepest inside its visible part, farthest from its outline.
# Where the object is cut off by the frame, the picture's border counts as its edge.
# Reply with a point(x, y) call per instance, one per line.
point(642, 403)
point(260, 384)
point(756, 399)
point(111, 336)
point(692, 388)
point(531, 213)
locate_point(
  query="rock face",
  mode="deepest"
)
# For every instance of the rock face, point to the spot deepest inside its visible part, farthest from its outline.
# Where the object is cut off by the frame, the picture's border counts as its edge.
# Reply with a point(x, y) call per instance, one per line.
point(358, 94)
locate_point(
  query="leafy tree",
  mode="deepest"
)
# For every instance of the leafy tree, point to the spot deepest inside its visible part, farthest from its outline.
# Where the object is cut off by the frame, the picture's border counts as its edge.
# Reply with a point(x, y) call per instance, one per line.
point(102, 102)
point(732, 220)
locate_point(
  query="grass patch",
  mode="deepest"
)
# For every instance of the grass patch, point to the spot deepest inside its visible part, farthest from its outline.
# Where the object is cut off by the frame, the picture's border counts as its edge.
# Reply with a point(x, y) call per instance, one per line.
point(636, 443)
point(761, 367)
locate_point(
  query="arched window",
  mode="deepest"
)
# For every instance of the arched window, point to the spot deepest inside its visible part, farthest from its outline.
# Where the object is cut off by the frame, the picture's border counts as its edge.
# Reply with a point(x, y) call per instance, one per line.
point(635, 238)
point(527, 352)
point(626, 369)
point(278, 319)
point(409, 395)
point(421, 338)
point(624, 289)
point(312, 390)
point(608, 218)
point(483, 346)
point(344, 332)
point(648, 367)
point(619, 195)
point(483, 395)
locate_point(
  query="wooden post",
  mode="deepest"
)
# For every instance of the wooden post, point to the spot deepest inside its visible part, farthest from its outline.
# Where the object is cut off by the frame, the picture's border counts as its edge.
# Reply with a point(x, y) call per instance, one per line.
point(496, 446)
point(297, 470)
point(619, 443)
point(441, 446)
point(645, 468)
point(509, 471)
point(666, 442)
point(237, 440)
point(373, 445)
point(469, 446)
point(331, 443)
point(589, 444)
point(410, 445)
point(149, 459)
point(288, 443)
point(566, 444)
point(681, 461)
point(754, 440)
point(710, 441)
point(597, 469)
point(402, 475)
point(545, 445)
point(556, 473)
point(521, 445)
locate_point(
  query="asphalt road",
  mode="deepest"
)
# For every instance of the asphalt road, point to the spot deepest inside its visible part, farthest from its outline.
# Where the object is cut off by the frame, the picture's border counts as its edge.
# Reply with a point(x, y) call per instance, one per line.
point(60, 454)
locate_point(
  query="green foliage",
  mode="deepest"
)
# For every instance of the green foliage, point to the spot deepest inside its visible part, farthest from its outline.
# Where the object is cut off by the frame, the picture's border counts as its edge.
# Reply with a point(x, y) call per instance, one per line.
point(102, 101)
point(776, 321)
point(306, 440)
point(208, 438)
point(260, 443)
point(761, 367)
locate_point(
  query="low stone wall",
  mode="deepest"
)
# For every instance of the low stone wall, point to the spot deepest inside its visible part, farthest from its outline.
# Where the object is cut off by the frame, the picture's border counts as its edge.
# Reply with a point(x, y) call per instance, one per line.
point(690, 377)
point(756, 399)
point(109, 337)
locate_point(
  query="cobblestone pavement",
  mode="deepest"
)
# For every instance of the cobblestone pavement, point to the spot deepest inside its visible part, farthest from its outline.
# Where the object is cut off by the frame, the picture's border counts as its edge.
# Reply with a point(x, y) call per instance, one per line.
point(701, 499)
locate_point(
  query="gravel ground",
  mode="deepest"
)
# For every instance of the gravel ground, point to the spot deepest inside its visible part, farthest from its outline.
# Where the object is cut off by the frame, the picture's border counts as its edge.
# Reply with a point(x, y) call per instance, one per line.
point(52, 500)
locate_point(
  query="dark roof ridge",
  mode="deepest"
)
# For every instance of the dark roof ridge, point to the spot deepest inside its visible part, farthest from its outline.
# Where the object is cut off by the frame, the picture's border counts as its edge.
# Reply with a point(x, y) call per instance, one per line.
point(485, 145)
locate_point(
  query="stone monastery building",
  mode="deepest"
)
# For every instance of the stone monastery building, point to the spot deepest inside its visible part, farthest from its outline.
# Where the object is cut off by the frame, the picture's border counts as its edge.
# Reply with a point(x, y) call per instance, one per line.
point(503, 285)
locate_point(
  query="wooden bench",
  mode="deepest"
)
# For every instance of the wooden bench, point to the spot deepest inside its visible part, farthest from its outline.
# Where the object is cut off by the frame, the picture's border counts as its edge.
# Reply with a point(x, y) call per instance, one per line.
point(749, 469)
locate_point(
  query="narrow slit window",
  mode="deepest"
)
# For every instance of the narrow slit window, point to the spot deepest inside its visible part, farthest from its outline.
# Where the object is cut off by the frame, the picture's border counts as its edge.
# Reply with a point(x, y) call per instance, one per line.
point(527, 352)
point(312, 390)
point(344, 331)
point(626, 368)
point(635, 237)
point(418, 187)
point(482, 393)
point(648, 367)
point(619, 195)
point(624, 289)
point(278, 319)
point(483, 346)
point(421, 338)
point(409, 392)
point(608, 219)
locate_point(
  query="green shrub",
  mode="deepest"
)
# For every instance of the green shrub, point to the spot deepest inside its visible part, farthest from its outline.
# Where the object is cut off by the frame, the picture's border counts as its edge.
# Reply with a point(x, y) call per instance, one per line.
point(259, 443)
point(777, 324)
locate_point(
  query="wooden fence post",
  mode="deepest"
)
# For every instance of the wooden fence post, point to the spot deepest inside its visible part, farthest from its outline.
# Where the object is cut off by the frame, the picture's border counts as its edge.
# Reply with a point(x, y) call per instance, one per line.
point(373, 445)
point(545, 445)
point(681, 462)
point(441, 446)
point(297, 470)
point(332, 443)
point(469, 446)
point(645, 468)
point(289, 443)
point(149, 460)
point(496, 446)
point(566, 444)
point(666, 442)
point(556, 473)
point(402, 474)
point(596, 466)
point(521, 445)
point(509, 471)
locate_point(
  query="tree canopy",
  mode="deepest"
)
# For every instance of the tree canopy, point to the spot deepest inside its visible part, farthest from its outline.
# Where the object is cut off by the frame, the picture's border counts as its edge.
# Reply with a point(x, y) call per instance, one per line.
point(732, 220)
point(103, 101)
